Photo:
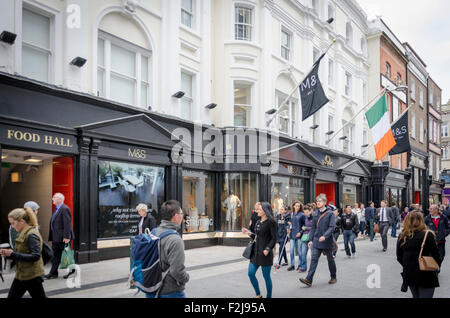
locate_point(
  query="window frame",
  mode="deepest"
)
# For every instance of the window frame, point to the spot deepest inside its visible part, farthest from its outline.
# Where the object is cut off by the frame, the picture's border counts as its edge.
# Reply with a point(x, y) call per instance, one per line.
point(413, 126)
point(249, 107)
point(186, 97)
point(251, 25)
point(348, 84)
point(349, 34)
point(413, 89)
point(289, 48)
point(421, 133)
point(292, 106)
point(388, 70)
point(444, 130)
point(190, 14)
point(139, 52)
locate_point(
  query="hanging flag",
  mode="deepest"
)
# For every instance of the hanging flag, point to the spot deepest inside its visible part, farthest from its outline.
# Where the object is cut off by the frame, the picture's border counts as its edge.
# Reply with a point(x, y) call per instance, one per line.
point(378, 119)
point(311, 92)
point(401, 134)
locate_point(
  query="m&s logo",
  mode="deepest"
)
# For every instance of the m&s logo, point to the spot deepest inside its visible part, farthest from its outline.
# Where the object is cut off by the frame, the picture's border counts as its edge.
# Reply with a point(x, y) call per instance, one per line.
point(137, 153)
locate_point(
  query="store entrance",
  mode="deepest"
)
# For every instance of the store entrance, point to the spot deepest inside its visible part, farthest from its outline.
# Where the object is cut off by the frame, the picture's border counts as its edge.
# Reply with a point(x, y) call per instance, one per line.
point(328, 188)
point(31, 176)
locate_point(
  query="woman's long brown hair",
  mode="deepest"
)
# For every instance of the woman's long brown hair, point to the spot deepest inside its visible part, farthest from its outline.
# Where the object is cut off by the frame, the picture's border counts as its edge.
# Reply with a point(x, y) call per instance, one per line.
point(413, 223)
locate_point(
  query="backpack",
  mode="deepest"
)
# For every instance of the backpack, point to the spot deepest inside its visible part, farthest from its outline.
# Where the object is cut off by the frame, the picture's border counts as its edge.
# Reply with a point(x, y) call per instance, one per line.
point(146, 273)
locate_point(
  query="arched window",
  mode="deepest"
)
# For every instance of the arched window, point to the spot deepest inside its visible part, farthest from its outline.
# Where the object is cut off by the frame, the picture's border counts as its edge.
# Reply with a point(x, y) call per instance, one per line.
point(388, 70)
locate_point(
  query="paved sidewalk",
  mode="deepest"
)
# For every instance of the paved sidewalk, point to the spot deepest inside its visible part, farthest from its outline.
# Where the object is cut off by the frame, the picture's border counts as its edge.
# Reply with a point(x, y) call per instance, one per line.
point(112, 275)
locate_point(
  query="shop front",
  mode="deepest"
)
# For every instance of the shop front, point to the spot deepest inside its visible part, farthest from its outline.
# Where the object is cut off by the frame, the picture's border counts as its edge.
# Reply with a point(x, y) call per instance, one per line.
point(396, 188)
point(435, 195)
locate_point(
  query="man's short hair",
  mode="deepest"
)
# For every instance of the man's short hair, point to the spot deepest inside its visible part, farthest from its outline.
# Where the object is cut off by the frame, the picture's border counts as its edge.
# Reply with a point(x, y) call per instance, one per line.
point(322, 197)
point(169, 209)
point(383, 201)
point(32, 205)
point(59, 195)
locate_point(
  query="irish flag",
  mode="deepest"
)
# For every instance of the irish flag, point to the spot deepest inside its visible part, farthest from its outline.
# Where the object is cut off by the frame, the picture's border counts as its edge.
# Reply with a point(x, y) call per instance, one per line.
point(378, 119)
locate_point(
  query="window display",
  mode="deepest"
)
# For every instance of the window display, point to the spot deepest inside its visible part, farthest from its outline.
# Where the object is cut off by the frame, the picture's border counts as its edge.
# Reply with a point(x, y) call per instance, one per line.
point(122, 186)
point(198, 200)
point(239, 195)
point(286, 191)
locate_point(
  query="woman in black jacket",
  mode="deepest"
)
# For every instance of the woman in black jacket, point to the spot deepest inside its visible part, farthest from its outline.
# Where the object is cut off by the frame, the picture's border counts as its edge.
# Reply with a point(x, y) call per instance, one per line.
point(262, 255)
point(421, 283)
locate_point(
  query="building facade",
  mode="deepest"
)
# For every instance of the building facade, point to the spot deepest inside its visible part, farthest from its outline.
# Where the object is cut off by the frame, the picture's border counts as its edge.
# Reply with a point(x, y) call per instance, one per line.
point(445, 146)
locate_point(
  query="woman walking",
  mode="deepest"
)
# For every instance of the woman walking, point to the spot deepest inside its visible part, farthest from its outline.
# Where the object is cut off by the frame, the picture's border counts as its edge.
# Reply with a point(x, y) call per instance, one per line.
point(304, 239)
point(421, 283)
point(296, 223)
point(282, 220)
point(262, 255)
point(27, 254)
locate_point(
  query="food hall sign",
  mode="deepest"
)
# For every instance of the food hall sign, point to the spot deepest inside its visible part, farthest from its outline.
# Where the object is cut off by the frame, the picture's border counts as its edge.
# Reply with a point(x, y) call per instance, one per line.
point(37, 139)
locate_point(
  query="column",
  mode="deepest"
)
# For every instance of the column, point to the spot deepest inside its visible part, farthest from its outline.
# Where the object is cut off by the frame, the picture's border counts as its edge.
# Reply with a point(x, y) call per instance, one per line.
point(312, 185)
point(93, 199)
point(340, 190)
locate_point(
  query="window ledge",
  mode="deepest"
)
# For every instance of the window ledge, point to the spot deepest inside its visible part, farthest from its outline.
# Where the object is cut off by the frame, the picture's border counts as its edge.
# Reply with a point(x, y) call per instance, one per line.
point(191, 31)
point(242, 42)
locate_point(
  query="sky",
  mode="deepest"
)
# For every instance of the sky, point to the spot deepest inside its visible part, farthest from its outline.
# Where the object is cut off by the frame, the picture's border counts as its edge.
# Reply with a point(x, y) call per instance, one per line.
point(425, 25)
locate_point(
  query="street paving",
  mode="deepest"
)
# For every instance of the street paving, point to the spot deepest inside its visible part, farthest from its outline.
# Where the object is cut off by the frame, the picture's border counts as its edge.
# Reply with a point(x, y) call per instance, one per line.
point(221, 272)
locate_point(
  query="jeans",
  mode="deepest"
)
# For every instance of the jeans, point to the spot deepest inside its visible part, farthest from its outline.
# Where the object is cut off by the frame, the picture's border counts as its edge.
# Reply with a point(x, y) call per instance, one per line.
point(349, 237)
point(418, 292)
point(304, 256)
point(362, 227)
point(252, 268)
point(283, 254)
point(394, 229)
point(315, 255)
point(33, 286)
point(180, 294)
point(295, 244)
point(371, 232)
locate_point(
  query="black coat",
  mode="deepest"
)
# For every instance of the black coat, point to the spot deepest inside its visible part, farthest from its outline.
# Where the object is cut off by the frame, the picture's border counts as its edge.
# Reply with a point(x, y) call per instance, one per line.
point(62, 226)
point(149, 222)
point(408, 255)
point(326, 228)
point(266, 238)
point(443, 229)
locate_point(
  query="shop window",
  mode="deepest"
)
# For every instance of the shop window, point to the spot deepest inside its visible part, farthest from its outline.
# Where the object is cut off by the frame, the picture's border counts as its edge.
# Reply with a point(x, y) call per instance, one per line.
point(122, 186)
point(285, 191)
point(36, 46)
point(240, 192)
point(198, 201)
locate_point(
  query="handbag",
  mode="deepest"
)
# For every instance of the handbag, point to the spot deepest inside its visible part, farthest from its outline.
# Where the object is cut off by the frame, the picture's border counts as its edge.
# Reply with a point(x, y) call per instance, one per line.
point(47, 253)
point(249, 249)
point(305, 238)
point(67, 257)
point(376, 228)
point(427, 263)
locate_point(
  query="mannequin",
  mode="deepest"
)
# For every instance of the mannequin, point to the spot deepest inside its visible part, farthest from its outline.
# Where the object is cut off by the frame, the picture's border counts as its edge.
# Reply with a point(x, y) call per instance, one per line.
point(277, 203)
point(231, 203)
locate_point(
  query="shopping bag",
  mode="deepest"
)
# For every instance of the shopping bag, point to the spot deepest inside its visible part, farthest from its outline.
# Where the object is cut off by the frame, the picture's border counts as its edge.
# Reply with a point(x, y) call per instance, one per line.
point(67, 257)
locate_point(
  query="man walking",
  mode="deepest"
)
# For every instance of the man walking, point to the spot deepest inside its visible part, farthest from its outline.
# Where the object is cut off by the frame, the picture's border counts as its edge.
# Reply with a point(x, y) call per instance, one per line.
point(386, 218)
point(321, 240)
point(350, 227)
point(370, 219)
point(396, 213)
point(61, 232)
point(171, 252)
point(439, 224)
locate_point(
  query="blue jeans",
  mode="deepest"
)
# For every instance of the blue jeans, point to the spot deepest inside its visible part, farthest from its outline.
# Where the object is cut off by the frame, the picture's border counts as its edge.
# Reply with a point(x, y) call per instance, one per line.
point(173, 295)
point(295, 244)
point(304, 255)
point(252, 268)
point(315, 255)
point(394, 229)
point(362, 227)
point(349, 237)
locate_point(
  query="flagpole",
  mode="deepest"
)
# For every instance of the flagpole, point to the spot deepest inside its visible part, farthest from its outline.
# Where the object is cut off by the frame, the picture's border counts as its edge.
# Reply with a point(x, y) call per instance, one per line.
point(296, 87)
point(393, 123)
point(357, 114)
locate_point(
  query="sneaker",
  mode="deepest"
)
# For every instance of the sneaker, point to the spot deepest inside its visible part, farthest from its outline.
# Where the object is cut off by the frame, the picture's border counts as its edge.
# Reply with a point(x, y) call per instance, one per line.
point(302, 270)
point(332, 281)
point(298, 268)
point(290, 268)
point(277, 266)
point(305, 281)
point(284, 264)
point(384, 250)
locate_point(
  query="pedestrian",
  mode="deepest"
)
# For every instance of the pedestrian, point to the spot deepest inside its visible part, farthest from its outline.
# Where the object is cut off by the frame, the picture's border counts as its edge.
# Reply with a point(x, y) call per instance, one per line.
point(262, 255)
point(421, 283)
point(61, 232)
point(439, 224)
point(29, 263)
point(396, 213)
point(370, 219)
point(447, 211)
point(337, 229)
point(254, 218)
point(13, 233)
point(358, 212)
point(282, 235)
point(404, 214)
point(297, 221)
point(304, 239)
point(321, 240)
point(147, 220)
point(153, 213)
point(350, 228)
point(386, 218)
point(362, 220)
point(330, 205)
point(171, 253)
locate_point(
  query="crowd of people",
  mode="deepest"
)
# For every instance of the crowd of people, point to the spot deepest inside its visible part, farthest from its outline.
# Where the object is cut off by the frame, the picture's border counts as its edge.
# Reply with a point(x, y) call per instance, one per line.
point(315, 228)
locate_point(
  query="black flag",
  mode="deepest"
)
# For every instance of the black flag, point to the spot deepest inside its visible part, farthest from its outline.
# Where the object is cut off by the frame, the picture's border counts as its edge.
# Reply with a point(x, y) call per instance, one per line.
point(311, 92)
point(401, 135)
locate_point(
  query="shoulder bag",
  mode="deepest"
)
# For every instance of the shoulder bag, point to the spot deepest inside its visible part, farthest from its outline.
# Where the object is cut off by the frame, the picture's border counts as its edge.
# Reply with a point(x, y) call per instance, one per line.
point(249, 249)
point(427, 263)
